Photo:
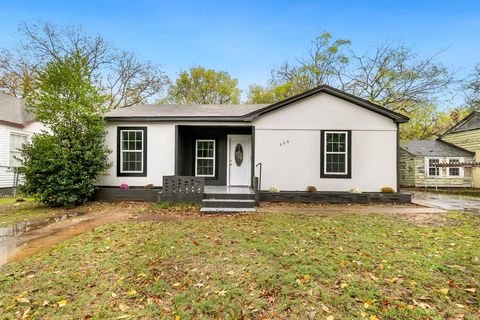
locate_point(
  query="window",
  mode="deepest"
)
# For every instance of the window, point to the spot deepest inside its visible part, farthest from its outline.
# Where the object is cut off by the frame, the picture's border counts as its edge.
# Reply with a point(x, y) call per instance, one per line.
point(205, 158)
point(455, 171)
point(132, 152)
point(16, 142)
point(433, 170)
point(336, 161)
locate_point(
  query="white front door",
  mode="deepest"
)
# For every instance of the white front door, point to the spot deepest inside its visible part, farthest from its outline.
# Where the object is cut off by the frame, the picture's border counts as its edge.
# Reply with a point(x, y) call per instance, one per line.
point(239, 160)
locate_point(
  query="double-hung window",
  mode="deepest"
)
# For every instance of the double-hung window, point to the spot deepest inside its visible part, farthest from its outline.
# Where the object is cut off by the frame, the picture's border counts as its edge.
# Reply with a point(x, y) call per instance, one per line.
point(205, 158)
point(454, 171)
point(336, 154)
point(16, 142)
point(132, 151)
point(433, 168)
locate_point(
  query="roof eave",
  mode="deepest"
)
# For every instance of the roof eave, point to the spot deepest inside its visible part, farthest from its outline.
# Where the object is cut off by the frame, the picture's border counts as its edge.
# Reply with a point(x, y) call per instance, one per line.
point(167, 119)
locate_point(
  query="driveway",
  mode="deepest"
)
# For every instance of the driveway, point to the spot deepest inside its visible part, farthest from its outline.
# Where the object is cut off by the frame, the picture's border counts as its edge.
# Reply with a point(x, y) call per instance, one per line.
point(446, 202)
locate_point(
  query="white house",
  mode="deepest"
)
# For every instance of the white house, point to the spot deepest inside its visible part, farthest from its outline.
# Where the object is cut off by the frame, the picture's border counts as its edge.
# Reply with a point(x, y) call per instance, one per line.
point(16, 127)
point(323, 137)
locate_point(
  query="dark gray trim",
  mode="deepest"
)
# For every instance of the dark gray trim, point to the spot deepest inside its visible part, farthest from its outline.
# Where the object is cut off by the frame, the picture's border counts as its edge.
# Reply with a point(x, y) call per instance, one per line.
point(398, 157)
point(175, 170)
point(145, 149)
point(325, 175)
point(252, 146)
point(396, 117)
point(130, 194)
point(178, 118)
point(334, 197)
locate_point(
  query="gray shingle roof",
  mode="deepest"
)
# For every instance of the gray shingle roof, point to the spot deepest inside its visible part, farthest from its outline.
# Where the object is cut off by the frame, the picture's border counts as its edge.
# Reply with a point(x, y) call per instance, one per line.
point(12, 110)
point(434, 148)
point(236, 112)
point(184, 111)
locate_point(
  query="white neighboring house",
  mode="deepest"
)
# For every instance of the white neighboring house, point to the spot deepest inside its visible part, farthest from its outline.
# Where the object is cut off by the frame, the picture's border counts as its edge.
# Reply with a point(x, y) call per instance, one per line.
point(16, 127)
point(323, 137)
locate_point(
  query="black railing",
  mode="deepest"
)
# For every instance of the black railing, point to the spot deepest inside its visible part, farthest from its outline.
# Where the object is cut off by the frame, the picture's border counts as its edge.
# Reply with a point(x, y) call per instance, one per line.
point(259, 165)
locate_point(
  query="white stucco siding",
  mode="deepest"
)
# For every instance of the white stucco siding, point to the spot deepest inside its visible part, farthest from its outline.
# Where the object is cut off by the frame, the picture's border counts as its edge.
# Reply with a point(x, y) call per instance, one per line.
point(160, 154)
point(287, 143)
point(323, 111)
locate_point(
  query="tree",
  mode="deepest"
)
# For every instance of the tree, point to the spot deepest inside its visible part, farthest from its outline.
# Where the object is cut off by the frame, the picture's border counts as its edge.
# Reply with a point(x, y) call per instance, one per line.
point(61, 164)
point(322, 65)
point(472, 90)
point(395, 77)
point(122, 76)
point(204, 86)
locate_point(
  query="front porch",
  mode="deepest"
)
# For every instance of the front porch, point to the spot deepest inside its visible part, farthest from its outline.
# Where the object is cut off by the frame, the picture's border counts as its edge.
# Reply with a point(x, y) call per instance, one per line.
point(222, 155)
point(214, 199)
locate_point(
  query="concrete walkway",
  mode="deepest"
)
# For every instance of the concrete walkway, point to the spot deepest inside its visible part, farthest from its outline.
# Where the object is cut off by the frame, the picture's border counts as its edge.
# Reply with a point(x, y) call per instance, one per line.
point(446, 202)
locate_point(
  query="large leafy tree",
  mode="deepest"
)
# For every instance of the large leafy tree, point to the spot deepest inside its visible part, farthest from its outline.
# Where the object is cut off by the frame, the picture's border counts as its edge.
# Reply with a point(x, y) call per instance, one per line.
point(61, 164)
point(322, 65)
point(204, 86)
point(125, 80)
point(472, 90)
point(389, 74)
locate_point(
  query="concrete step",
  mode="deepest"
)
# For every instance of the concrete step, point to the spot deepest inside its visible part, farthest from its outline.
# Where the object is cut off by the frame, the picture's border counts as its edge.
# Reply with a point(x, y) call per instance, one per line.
point(243, 196)
point(228, 203)
point(226, 210)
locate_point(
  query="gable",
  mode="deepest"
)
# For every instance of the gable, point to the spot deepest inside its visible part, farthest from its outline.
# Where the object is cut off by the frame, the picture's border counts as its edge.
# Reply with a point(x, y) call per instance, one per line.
point(324, 111)
point(470, 122)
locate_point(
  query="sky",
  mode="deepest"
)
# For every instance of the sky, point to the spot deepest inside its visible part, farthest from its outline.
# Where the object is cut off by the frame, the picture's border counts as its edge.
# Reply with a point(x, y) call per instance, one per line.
point(248, 38)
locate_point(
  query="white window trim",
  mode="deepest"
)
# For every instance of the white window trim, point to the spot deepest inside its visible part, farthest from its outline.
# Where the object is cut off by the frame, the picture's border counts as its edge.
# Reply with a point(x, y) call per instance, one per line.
point(461, 168)
point(427, 167)
point(210, 158)
point(325, 152)
point(122, 151)
point(10, 151)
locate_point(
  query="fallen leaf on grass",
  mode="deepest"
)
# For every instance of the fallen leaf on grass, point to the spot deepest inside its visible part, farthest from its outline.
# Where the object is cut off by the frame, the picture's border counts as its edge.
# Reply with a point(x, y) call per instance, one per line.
point(472, 290)
point(62, 303)
point(123, 307)
point(443, 291)
point(132, 292)
point(230, 273)
point(22, 300)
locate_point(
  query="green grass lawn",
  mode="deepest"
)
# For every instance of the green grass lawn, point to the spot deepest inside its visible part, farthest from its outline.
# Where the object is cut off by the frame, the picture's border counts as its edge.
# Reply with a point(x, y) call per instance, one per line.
point(275, 265)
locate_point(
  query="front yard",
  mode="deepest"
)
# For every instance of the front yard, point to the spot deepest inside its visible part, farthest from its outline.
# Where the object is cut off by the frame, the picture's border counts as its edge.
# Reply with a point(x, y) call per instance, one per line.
point(266, 265)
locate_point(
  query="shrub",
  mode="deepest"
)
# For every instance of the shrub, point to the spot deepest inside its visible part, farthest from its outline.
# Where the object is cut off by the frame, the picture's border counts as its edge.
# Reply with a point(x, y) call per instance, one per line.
point(61, 164)
point(273, 189)
point(387, 190)
point(124, 186)
point(311, 189)
point(149, 186)
point(355, 190)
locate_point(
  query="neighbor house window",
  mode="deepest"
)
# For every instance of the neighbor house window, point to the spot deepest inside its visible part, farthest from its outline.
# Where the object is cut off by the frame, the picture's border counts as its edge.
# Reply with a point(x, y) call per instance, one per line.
point(454, 171)
point(16, 142)
point(205, 158)
point(131, 158)
point(433, 169)
point(336, 154)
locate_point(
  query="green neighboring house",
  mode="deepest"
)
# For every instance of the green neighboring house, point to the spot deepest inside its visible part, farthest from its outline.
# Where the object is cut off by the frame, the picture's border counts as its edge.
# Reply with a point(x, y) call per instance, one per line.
point(418, 160)
point(466, 135)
